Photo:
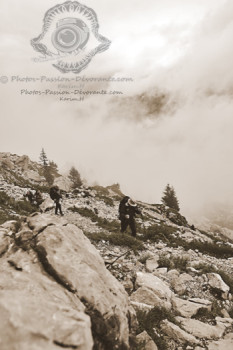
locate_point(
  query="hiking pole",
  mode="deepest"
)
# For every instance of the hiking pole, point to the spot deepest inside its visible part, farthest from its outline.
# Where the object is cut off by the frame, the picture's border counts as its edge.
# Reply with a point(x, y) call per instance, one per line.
point(109, 264)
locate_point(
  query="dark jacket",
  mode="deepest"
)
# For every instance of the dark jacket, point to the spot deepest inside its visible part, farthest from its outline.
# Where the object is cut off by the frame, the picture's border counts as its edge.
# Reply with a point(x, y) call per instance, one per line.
point(126, 209)
point(57, 196)
point(55, 193)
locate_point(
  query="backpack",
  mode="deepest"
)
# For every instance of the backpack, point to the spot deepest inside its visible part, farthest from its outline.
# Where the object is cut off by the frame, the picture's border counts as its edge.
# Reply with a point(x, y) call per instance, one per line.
point(122, 204)
point(53, 193)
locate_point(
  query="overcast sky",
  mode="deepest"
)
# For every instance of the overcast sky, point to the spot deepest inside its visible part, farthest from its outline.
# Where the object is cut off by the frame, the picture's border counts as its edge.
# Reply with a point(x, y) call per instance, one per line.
point(179, 49)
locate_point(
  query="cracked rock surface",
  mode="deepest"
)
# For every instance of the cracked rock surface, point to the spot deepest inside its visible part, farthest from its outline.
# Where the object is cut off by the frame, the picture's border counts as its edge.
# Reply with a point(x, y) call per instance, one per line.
point(55, 291)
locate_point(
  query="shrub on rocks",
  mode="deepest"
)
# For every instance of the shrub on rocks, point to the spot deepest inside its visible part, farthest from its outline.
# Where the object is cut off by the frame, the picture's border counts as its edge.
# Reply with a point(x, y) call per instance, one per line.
point(173, 262)
point(117, 239)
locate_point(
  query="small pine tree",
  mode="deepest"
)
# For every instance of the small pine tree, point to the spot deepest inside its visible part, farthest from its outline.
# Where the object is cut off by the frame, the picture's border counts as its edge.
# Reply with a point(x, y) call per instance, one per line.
point(43, 158)
point(75, 178)
point(169, 198)
point(50, 169)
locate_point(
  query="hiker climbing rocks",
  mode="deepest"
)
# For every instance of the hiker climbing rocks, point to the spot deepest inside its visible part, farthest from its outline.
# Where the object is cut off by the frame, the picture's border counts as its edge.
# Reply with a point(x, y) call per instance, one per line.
point(29, 195)
point(38, 198)
point(55, 195)
point(127, 211)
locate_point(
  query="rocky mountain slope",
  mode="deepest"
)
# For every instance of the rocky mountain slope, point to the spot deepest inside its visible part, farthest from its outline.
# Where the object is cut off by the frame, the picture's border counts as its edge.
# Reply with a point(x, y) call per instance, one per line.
point(76, 282)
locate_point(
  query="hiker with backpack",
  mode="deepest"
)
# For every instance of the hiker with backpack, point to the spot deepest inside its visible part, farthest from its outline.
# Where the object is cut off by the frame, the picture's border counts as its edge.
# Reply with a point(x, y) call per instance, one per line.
point(128, 209)
point(55, 195)
point(38, 198)
point(30, 196)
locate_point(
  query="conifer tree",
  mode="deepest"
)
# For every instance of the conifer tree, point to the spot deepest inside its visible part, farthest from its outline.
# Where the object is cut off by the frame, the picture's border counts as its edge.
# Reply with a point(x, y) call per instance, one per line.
point(169, 198)
point(75, 177)
point(50, 169)
point(53, 168)
point(43, 158)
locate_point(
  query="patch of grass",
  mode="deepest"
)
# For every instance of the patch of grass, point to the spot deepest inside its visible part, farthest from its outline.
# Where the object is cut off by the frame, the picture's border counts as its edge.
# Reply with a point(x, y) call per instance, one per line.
point(161, 232)
point(203, 315)
point(111, 226)
point(9, 205)
point(117, 239)
point(150, 321)
point(6, 217)
point(166, 234)
point(173, 262)
point(213, 249)
point(84, 212)
point(216, 309)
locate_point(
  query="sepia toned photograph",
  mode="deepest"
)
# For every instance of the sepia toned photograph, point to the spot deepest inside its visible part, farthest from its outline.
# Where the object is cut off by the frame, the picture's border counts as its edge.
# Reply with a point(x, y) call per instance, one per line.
point(116, 175)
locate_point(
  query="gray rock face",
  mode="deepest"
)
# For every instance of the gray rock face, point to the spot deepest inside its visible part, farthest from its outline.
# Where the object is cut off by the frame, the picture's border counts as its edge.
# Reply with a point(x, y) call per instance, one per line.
point(216, 282)
point(56, 291)
point(189, 308)
point(146, 341)
point(160, 288)
point(63, 183)
point(147, 296)
point(177, 333)
point(47, 205)
point(34, 176)
point(223, 344)
point(152, 264)
point(202, 330)
point(6, 163)
point(180, 283)
point(35, 312)
point(71, 255)
point(22, 162)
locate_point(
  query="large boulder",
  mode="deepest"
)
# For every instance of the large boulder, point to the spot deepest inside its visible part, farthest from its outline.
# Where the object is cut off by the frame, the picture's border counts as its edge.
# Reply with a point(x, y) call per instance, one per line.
point(22, 162)
point(155, 284)
point(38, 223)
point(215, 281)
point(56, 291)
point(33, 176)
point(189, 308)
point(63, 183)
point(147, 296)
point(47, 205)
point(35, 311)
point(200, 329)
point(152, 264)
point(223, 344)
point(78, 265)
point(6, 163)
point(176, 333)
point(180, 283)
point(145, 340)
